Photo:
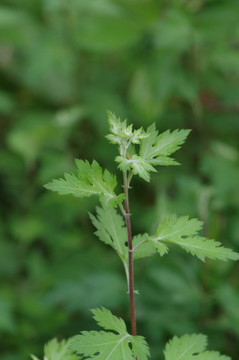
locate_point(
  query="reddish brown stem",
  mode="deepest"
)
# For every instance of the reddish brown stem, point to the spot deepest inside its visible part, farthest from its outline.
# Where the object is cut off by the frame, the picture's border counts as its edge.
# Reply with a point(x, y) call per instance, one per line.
point(131, 263)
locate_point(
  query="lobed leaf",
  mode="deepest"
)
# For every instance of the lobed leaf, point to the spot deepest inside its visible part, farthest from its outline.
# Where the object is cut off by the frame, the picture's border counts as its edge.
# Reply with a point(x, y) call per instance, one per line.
point(108, 321)
point(137, 165)
point(154, 150)
point(110, 228)
point(183, 232)
point(190, 347)
point(142, 246)
point(55, 350)
point(155, 146)
point(90, 180)
point(211, 355)
point(104, 345)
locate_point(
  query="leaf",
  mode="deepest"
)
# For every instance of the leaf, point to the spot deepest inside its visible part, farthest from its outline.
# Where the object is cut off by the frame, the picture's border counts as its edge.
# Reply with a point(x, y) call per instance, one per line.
point(142, 246)
point(190, 347)
point(123, 134)
point(185, 347)
point(155, 146)
point(140, 347)
point(55, 350)
point(108, 321)
point(111, 229)
point(211, 355)
point(155, 149)
point(181, 231)
point(90, 180)
point(104, 345)
point(161, 248)
point(137, 164)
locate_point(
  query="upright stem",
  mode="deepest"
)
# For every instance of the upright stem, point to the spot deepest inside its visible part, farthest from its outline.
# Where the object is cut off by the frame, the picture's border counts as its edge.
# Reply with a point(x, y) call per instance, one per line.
point(131, 264)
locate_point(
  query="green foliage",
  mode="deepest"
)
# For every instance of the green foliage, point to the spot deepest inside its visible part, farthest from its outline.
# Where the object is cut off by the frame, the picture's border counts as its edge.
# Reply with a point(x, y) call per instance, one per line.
point(138, 165)
point(184, 232)
point(122, 134)
point(104, 345)
point(142, 247)
point(111, 230)
point(154, 150)
point(55, 350)
point(90, 180)
point(62, 64)
point(191, 347)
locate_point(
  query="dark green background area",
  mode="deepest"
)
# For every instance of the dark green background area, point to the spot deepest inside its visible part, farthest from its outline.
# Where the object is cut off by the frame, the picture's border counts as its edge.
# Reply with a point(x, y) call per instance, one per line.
point(63, 63)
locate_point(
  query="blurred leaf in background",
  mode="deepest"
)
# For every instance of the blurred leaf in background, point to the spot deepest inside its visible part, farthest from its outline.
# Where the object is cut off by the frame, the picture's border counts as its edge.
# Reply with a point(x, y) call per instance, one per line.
point(62, 65)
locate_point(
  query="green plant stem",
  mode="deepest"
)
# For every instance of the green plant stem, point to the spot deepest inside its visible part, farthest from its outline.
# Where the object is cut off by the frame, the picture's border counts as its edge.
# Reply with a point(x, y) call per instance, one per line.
point(131, 264)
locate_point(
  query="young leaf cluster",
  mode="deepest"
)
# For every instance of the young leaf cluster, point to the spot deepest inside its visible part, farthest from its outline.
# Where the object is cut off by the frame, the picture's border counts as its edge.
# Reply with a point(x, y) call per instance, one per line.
point(121, 134)
point(154, 150)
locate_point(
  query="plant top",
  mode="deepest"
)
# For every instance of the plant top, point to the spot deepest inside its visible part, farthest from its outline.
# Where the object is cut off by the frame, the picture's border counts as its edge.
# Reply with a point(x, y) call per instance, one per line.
point(140, 152)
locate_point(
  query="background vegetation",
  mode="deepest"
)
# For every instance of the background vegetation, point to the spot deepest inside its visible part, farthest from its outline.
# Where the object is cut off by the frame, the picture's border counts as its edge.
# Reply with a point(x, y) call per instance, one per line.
point(62, 64)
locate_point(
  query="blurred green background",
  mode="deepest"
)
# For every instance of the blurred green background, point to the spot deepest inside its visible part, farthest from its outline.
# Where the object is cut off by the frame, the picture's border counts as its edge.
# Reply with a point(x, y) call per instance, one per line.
point(62, 64)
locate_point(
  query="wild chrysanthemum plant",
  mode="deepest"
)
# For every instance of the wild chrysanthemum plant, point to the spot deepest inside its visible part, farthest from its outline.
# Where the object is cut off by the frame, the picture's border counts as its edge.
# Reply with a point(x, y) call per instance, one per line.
point(113, 227)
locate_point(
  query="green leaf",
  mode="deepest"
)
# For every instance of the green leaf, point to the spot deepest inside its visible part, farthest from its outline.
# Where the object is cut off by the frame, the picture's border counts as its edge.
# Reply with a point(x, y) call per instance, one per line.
point(90, 180)
point(155, 149)
point(55, 350)
point(190, 347)
point(108, 321)
point(137, 164)
point(183, 232)
point(211, 355)
point(121, 133)
point(161, 248)
point(155, 146)
point(185, 347)
point(142, 246)
point(102, 345)
point(140, 347)
point(111, 229)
